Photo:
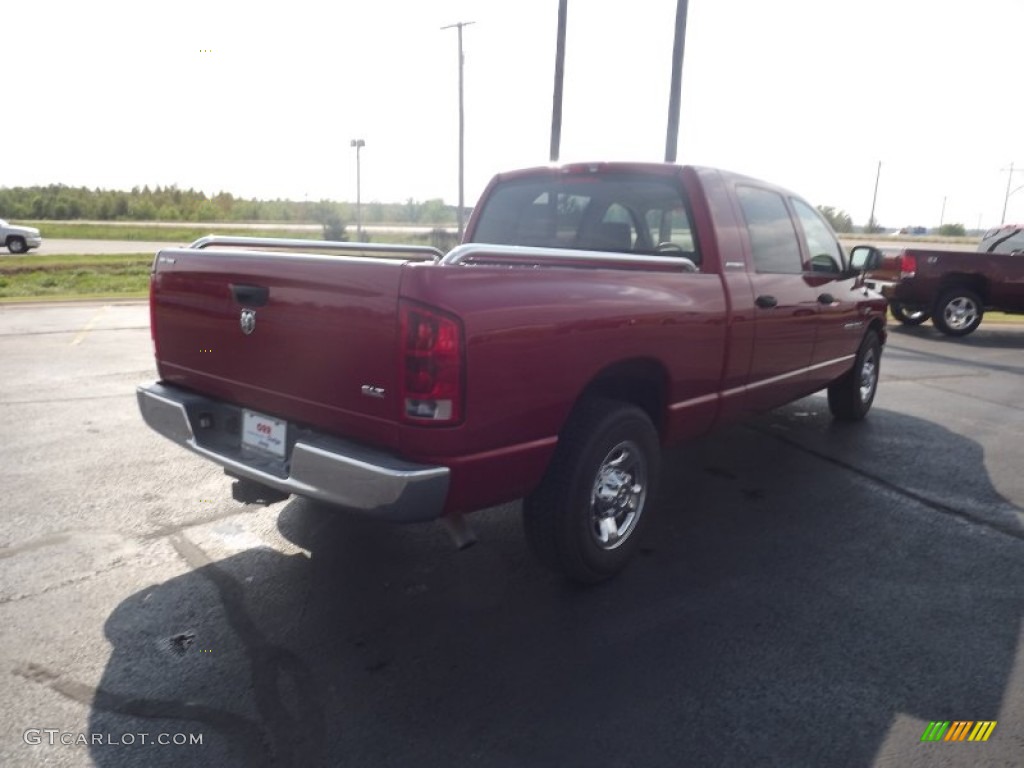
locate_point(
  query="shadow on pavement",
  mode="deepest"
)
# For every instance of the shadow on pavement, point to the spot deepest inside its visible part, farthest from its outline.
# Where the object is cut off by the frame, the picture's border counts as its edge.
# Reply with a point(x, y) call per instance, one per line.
point(789, 603)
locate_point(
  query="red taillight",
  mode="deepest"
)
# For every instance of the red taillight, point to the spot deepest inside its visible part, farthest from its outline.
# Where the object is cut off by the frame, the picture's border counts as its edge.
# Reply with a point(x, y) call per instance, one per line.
point(908, 265)
point(152, 312)
point(431, 359)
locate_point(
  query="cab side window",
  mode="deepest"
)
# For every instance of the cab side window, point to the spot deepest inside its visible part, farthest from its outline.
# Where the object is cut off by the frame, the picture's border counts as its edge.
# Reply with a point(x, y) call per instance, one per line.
point(825, 253)
point(773, 240)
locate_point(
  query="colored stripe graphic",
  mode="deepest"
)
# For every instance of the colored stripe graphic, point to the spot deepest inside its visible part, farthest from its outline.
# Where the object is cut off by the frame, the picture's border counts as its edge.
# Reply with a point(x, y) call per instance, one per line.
point(958, 730)
point(982, 730)
point(935, 731)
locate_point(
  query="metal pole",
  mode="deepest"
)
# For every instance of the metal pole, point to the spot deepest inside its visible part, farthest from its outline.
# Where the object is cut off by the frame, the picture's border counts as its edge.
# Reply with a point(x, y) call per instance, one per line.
point(942, 216)
point(359, 144)
point(1006, 199)
point(874, 198)
point(462, 128)
point(675, 92)
point(556, 100)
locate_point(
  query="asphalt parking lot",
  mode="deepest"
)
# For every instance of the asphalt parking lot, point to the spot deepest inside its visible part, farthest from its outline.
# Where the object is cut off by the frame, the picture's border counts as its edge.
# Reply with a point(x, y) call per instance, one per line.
point(811, 594)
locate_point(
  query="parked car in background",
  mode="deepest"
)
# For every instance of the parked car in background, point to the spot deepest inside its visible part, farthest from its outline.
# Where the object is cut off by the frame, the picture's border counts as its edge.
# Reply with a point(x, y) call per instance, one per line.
point(19, 239)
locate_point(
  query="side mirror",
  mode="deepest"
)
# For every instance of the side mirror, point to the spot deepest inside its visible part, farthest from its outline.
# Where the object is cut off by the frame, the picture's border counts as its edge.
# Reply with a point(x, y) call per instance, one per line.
point(865, 258)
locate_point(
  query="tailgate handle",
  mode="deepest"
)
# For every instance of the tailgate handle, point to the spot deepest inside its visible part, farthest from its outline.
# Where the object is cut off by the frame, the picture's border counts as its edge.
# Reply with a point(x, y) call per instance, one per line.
point(250, 295)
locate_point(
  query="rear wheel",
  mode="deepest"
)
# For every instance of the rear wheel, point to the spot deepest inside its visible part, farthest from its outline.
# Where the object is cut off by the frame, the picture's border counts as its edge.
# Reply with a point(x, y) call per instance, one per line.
point(907, 316)
point(16, 245)
point(850, 397)
point(958, 312)
point(586, 517)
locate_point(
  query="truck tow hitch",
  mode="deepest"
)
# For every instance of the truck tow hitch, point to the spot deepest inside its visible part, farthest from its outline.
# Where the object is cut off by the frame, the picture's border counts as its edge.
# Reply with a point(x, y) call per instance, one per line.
point(457, 527)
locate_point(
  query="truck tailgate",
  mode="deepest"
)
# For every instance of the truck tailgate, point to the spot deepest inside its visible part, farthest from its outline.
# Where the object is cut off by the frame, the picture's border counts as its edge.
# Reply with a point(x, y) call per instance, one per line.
point(310, 339)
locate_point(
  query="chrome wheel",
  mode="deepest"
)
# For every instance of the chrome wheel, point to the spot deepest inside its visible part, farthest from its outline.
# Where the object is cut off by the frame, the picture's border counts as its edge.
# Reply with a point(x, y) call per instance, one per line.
point(960, 312)
point(618, 495)
point(868, 375)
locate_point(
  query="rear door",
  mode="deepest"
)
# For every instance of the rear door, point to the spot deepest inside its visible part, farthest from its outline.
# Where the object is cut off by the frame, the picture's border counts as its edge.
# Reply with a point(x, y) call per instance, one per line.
point(787, 306)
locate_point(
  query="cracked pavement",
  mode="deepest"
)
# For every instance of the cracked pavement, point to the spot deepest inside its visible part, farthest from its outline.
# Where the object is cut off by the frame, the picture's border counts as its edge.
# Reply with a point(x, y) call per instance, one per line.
point(809, 594)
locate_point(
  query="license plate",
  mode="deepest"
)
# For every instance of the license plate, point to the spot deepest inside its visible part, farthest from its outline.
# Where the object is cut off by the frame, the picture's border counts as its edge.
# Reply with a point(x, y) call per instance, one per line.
point(263, 433)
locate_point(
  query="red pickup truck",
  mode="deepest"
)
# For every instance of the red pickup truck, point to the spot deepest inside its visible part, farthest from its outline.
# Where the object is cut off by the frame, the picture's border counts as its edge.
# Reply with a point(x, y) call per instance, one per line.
point(955, 288)
point(594, 313)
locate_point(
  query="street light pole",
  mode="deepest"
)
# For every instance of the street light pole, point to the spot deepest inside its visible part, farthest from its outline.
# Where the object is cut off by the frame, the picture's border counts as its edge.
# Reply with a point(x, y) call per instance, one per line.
point(359, 144)
point(871, 219)
point(1009, 181)
point(462, 125)
point(556, 98)
point(675, 92)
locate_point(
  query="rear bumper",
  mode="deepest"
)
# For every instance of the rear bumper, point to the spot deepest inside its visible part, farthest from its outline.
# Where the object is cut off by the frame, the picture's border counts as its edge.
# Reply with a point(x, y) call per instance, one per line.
point(320, 466)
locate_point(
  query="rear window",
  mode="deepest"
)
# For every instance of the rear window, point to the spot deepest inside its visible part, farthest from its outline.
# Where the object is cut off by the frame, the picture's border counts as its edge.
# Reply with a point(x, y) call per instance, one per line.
point(616, 213)
point(1008, 239)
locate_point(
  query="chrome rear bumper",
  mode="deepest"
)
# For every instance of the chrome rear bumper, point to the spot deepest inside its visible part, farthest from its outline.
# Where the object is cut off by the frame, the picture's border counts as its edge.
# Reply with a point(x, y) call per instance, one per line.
point(320, 466)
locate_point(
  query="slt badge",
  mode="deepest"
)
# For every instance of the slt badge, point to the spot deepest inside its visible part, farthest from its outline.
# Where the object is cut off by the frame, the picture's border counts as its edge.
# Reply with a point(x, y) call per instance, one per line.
point(248, 321)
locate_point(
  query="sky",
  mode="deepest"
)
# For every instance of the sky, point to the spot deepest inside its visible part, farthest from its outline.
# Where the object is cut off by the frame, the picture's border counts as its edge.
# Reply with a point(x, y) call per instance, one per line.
point(262, 99)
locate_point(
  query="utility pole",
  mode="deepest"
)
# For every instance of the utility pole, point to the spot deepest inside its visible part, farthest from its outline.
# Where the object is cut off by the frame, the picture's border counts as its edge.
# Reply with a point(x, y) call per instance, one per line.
point(871, 219)
point(358, 144)
point(942, 216)
point(675, 92)
point(462, 125)
point(1009, 181)
point(556, 99)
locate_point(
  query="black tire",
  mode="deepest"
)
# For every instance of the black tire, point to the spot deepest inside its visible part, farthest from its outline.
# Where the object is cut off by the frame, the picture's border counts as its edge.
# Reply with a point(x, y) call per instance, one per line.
point(958, 312)
point(850, 397)
point(16, 245)
point(907, 316)
point(586, 517)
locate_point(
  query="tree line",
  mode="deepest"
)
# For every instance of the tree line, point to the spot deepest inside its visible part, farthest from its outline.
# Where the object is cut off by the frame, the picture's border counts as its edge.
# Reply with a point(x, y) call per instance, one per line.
point(63, 203)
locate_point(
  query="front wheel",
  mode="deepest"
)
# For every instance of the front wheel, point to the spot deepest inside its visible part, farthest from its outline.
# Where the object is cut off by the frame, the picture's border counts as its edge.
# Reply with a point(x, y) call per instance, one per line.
point(958, 312)
point(850, 397)
point(16, 245)
point(907, 316)
point(585, 518)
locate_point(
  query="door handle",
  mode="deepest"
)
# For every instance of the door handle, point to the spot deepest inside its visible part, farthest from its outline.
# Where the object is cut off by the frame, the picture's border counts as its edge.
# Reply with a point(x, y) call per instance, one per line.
point(766, 302)
point(250, 295)
point(826, 299)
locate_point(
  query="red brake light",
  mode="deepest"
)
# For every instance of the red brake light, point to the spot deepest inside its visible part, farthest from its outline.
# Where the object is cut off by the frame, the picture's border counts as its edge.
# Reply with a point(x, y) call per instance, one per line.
point(152, 312)
point(908, 265)
point(431, 365)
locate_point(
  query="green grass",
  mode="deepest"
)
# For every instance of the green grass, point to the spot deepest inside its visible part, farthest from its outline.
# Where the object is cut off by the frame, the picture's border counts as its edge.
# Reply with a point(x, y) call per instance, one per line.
point(75, 276)
point(1000, 317)
point(172, 234)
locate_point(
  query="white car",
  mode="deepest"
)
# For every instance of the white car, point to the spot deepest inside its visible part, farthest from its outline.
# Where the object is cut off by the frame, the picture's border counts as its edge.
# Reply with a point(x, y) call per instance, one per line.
point(19, 239)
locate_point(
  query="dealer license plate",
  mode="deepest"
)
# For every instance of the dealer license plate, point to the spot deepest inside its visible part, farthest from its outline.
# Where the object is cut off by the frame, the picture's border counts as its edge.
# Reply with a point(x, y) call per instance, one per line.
point(264, 434)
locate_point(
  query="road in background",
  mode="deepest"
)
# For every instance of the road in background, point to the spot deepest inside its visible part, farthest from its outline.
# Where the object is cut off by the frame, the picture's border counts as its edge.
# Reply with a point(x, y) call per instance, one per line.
point(809, 594)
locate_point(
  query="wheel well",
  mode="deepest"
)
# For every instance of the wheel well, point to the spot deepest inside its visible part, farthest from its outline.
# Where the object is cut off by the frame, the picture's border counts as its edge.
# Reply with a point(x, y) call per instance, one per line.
point(878, 326)
point(642, 383)
point(976, 283)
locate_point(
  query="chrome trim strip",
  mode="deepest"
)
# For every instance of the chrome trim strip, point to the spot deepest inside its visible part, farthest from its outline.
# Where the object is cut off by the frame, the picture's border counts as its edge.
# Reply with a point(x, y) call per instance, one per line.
point(694, 401)
point(425, 252)
point(475, 253)
point(784, 376)
point(323, 467)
